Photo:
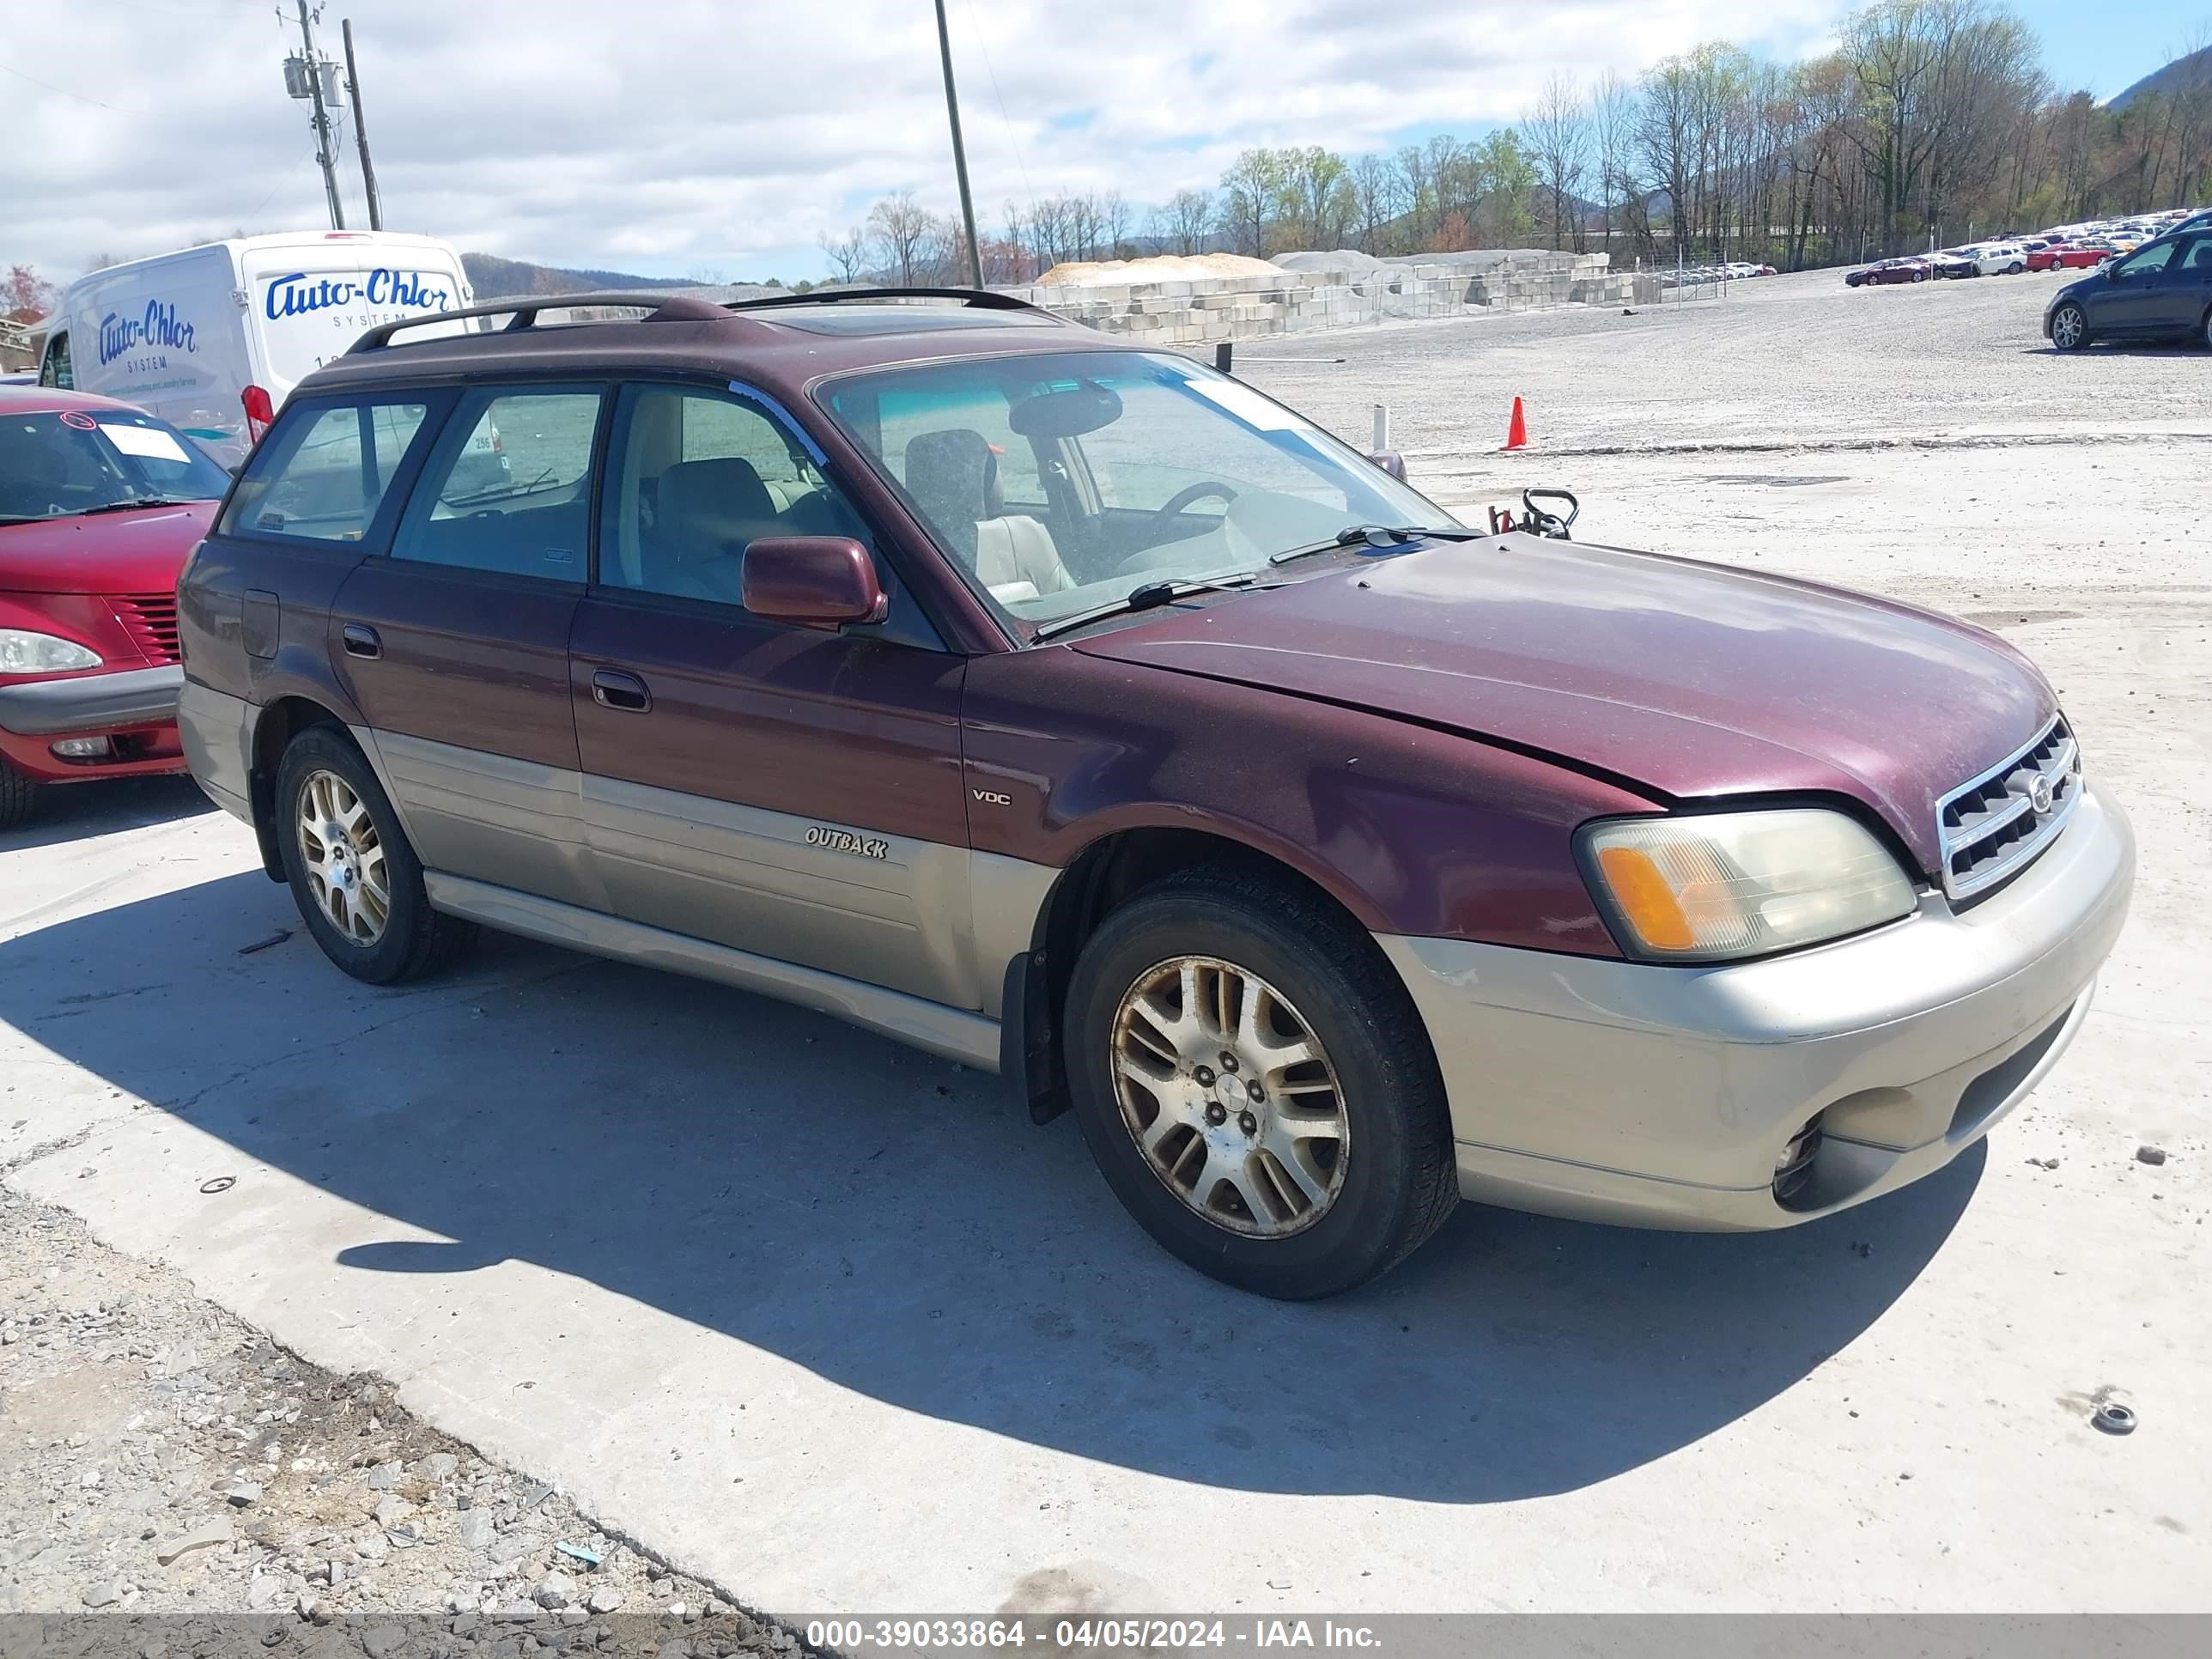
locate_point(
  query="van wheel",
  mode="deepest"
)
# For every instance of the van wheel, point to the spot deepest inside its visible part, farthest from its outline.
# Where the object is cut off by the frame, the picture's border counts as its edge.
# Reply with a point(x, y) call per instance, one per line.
point(1256, 1086)
point(356, 880)
point(17, 794)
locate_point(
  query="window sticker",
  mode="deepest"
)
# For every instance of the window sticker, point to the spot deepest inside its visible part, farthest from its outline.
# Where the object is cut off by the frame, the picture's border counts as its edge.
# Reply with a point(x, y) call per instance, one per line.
point(81, 423)
point(149, 441)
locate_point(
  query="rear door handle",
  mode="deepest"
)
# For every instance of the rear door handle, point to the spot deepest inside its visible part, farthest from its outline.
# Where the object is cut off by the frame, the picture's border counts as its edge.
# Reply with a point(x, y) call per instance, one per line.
point(612, 688)
point(361, 641)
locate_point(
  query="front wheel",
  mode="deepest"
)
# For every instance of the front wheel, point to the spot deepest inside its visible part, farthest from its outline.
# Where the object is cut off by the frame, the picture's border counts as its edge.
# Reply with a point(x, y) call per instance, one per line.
point(2069, 327)
point(17, 794)
point(352, 872)
point(2204, 330)
point(1256, 1086)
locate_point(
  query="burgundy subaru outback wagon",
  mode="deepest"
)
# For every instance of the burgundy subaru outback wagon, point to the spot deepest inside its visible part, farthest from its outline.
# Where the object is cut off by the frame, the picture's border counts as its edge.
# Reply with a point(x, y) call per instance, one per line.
point(1081, 713)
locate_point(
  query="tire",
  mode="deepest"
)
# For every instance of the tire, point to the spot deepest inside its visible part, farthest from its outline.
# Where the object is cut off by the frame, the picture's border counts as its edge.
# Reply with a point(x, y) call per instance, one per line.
point(18, 795)
point(1370, 1195)
point(2069, 327)
point(379, 931)
point(2203, 338)
point(2015, 269)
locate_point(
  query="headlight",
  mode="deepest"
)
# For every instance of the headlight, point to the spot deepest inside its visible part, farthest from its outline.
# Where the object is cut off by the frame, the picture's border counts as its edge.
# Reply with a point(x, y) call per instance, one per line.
point(1707, 889)
point(25, 652)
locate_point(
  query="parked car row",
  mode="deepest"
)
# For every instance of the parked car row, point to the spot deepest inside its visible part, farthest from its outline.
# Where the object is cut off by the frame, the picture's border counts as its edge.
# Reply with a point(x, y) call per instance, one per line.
point(1734, 270)
point(2063, 247)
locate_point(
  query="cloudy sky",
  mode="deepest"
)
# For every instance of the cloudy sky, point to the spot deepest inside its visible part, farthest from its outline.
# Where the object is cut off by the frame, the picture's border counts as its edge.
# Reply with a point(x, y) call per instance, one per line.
point(684, 137)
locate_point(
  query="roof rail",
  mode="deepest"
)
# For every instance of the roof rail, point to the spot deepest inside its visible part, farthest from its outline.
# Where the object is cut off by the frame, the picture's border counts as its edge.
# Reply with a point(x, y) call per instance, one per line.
point(524, 309)
point(982, 298)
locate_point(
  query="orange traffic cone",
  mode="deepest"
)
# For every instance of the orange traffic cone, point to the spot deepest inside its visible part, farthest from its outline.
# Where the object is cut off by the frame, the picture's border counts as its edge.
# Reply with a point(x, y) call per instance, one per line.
point(1516, 430)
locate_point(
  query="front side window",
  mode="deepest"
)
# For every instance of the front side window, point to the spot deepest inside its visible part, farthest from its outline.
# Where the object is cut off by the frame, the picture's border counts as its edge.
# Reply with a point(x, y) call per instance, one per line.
point(1058, 481)
point(694, 477)
point(508, 486)
point(2149, 263)
point(56, 370)
point(323, 472)
point(57, 464)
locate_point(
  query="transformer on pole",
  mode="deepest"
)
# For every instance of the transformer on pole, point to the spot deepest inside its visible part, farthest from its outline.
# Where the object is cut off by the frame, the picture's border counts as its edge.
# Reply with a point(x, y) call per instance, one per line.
point(315, 80)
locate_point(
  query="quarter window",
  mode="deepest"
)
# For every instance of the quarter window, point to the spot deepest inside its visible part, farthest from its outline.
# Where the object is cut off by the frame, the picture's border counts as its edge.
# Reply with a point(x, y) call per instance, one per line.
point(696, 476)
point(507, 487)
point(323, 473)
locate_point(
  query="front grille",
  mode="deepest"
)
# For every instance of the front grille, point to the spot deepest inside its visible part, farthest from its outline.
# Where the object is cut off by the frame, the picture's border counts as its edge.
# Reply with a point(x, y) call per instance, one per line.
point(151, 619)
point(1994, 827)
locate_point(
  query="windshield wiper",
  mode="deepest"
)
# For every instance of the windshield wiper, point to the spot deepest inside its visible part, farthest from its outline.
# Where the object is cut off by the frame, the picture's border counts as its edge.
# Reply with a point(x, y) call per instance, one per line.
point(1376, 535)
point(1146, 596)
point(138, 502)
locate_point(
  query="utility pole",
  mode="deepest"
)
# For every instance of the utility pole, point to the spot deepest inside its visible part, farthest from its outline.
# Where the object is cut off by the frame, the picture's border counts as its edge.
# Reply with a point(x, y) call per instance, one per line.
point(360, 131)
point(323, 144)
point(959, 151)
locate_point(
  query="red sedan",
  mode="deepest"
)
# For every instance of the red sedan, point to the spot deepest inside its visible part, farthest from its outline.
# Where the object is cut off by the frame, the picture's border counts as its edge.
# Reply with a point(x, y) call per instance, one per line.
point(2071, 256)
point(100, 503)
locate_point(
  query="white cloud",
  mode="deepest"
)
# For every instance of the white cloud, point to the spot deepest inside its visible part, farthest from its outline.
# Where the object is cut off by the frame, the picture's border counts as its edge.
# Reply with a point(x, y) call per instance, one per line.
point(682, 135)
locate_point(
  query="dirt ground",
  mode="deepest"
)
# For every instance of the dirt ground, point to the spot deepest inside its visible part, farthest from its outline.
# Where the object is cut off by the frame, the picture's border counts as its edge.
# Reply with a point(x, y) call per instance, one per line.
point(811, 1320)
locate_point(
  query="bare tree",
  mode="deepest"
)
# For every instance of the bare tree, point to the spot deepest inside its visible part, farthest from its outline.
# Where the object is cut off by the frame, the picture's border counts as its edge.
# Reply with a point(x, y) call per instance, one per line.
point(1375, 199)
point(1559, 135)
point(903, 230)
point(847, 254)
point(1612, 108)
point(1188, 217)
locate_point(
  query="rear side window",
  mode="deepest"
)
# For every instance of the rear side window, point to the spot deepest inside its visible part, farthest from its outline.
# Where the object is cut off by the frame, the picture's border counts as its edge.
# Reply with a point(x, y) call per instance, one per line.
point(323, 471)
point(507, 487)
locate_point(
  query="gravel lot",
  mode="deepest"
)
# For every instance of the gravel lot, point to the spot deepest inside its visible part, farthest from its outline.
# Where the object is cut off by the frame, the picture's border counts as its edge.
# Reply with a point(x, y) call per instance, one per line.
point(660, 1246)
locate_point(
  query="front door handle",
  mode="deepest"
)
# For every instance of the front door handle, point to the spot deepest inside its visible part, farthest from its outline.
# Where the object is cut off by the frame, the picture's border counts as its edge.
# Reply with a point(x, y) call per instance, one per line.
point(612, 688)
point(361, 641)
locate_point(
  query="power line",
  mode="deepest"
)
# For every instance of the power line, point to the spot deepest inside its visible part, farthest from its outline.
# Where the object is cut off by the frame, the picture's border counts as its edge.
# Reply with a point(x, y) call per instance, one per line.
point(118, 109)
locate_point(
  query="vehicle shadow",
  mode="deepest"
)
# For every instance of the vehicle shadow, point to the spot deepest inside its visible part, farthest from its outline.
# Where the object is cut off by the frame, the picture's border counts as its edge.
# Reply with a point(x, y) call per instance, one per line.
point(893, 1224)
point(73, 811)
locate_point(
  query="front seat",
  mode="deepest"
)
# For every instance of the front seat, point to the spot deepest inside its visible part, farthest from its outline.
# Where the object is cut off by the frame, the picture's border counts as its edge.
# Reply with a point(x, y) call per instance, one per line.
point(706, 512)
point(953, 477)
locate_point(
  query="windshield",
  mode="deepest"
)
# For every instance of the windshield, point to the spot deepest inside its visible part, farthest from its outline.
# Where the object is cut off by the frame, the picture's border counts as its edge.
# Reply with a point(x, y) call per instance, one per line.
point(1060, 481)
point(56, 464)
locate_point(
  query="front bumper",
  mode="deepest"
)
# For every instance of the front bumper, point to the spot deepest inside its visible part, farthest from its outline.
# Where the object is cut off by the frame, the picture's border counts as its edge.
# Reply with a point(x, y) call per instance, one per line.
point(1665, 1096)
point(137, 708)
point(91, 702)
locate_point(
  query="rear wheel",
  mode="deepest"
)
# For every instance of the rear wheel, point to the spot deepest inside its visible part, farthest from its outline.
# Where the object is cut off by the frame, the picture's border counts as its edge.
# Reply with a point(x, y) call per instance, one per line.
point(2069, 327)
point(1256, 1086)
point(17, 794)
point(353, 875)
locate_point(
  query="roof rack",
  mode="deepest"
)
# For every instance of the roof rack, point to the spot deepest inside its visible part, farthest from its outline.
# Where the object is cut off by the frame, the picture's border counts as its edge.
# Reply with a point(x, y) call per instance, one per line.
point(524, 309)
point(982, 299)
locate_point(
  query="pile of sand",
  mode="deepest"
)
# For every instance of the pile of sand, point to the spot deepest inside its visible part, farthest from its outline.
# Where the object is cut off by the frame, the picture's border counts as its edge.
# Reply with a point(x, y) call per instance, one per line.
point(1162, 268)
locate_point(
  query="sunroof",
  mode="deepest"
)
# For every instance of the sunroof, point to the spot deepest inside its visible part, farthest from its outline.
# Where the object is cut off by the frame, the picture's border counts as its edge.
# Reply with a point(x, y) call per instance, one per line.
point(858, 319)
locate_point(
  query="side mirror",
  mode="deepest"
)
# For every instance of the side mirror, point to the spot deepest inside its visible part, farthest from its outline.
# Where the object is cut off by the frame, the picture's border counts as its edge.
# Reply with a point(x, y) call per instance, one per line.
point(1391, 462)
point(815, 581)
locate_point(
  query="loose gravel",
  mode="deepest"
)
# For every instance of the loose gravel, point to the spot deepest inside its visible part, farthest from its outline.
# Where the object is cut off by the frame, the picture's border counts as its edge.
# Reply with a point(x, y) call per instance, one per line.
point(172, 1482)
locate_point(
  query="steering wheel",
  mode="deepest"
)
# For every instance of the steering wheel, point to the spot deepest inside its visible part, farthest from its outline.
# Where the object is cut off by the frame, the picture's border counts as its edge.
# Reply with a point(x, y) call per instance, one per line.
point(1174, 507)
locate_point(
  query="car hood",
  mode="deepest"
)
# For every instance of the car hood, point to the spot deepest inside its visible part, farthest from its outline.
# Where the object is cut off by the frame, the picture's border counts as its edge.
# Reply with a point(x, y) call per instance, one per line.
point(1690, 680)
point(138, 552)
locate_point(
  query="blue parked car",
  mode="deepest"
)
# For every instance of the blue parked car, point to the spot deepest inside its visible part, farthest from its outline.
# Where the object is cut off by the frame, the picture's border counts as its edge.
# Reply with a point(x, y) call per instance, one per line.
point(2161, 290)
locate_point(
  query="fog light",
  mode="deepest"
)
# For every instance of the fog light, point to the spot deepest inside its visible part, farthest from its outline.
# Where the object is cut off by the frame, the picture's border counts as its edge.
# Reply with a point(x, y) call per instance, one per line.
point(84, 749)
point(1793, 1169)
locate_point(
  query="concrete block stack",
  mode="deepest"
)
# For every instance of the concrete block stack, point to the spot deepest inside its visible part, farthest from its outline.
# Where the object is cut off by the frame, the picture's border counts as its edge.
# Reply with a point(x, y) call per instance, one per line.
point(1321, 291)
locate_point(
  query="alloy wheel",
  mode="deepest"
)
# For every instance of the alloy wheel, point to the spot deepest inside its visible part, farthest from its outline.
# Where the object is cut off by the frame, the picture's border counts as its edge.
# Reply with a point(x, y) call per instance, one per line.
point(1230, 1095)
point(341, 856)
point(2066, 327)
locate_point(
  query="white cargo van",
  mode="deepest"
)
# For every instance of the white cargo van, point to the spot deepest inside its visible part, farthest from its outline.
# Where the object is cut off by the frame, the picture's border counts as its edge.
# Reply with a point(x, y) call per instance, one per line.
point(212, 338)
